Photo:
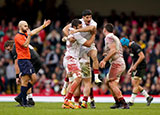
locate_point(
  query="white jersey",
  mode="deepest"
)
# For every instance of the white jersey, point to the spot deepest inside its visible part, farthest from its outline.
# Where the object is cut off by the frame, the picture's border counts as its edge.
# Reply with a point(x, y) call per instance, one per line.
point(84, 50)
point(118, 57)
point(73, 49)
point(87, 35)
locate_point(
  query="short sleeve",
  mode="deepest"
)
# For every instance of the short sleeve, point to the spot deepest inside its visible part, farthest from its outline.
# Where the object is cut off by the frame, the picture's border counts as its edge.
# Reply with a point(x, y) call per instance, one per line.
point(137, 48)
point(79, 38)
point(93, 23)
point(110, 40)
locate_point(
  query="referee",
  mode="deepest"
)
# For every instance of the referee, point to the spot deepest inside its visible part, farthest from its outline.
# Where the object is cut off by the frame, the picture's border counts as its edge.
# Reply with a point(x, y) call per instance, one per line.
point(22, 40)
point(35, 60)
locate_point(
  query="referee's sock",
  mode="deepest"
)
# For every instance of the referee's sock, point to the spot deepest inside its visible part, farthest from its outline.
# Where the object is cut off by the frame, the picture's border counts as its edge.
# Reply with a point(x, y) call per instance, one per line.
point(24, 94)
point(29, 86)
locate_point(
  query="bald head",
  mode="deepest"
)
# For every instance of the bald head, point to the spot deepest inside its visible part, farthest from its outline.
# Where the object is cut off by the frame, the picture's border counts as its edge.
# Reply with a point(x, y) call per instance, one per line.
point(23, 26)
point(21, 23)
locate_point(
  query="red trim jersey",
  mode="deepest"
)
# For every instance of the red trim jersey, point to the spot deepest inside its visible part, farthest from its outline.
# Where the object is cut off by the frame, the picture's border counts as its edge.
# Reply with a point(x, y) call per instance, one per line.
point(22, 52)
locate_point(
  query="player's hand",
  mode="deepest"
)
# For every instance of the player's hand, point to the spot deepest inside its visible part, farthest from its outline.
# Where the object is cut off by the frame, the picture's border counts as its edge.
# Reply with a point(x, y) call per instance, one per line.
point(46, 23)
point(129, 72)
point(104, 54)
point(73, 31)
point(18, 80)
point(64, 39)
point(102, 64)
point(29, 31)
point(72, 39)
point(132, 68)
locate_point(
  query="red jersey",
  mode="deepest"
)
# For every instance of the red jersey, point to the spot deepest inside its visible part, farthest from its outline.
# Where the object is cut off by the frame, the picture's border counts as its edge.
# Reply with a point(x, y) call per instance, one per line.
point(22, 52)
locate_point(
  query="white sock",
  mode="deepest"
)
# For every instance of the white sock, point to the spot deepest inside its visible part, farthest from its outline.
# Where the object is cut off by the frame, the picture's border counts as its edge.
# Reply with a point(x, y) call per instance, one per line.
point(29, 95)
point(144, 93)
point(96, 76)
point(76, 103)
point(65, 84)
point(133, 96)
point(92, 99)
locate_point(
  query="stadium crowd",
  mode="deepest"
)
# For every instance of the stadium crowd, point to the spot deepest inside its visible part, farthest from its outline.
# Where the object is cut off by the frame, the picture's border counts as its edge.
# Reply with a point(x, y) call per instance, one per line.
point(145, 30)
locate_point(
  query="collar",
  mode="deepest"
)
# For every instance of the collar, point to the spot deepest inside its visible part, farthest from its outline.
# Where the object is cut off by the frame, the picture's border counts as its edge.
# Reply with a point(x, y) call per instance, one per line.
point(23, 34)
point(110, 34)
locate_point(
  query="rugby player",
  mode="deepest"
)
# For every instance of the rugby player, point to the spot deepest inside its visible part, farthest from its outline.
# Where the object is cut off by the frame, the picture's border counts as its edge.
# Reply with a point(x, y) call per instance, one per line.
point(114, 54)
point(71, 59)
point(137, 69)
point(87, 23)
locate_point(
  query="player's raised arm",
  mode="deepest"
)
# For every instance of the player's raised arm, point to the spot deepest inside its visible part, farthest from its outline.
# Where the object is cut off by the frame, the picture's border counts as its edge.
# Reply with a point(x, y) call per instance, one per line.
point(85, 29)
point(45, 24)
point(66, 30)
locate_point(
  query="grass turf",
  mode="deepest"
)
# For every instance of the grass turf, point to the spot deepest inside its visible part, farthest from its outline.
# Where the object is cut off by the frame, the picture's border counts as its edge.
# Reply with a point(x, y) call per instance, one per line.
point(8, 108)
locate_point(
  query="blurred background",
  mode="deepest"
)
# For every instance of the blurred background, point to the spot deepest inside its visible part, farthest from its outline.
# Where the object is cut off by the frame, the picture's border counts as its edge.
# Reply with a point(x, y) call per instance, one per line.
point(139, 20)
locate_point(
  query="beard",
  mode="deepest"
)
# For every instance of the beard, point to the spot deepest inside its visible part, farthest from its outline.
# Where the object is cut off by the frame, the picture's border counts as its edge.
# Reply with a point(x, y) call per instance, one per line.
point(24, 31)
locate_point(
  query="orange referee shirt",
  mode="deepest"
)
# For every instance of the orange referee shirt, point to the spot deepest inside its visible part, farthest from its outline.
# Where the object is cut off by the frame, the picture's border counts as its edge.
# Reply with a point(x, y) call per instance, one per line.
point(22, 52)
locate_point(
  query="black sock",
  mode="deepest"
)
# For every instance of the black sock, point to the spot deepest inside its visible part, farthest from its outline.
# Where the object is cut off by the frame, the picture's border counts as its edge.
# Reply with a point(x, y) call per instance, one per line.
point(116, 100)
point(20, 96)
point(122, 101)
point(29, 85)
point(24, 94)
point(91, 93)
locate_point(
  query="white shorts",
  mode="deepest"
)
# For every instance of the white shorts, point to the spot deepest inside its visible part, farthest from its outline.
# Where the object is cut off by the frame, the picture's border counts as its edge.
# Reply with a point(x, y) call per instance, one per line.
point(115, 71)
point(85, 50)
point(72, 67)
point(86, 70)
point(71, 64)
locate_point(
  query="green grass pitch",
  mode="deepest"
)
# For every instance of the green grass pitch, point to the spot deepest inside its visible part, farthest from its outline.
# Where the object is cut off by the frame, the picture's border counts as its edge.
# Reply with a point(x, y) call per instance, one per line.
point(8, 108)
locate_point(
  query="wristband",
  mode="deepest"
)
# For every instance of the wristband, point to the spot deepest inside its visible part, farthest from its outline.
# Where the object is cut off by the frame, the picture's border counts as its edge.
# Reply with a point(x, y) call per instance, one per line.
point(17, 75)
point(44, 26)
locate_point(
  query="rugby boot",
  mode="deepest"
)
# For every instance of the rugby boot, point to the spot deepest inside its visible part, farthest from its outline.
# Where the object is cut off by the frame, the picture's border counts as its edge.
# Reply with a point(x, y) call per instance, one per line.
point(149, 100)
point(69, 103)
point(92, 104)
point(84, 104)
point(19, 100)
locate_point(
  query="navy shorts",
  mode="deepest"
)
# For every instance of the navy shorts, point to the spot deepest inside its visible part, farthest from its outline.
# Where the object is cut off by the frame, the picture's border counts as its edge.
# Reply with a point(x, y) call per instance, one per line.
point(26, 67)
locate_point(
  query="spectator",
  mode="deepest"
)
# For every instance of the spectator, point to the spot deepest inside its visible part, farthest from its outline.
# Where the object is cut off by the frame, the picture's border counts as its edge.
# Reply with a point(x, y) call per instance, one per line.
point(51, 59)
point(11, 76)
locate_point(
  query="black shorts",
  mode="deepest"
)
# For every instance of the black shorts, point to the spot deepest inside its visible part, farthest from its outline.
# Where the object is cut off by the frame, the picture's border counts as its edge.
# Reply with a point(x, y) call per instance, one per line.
point(139, 73)
point(26, 67)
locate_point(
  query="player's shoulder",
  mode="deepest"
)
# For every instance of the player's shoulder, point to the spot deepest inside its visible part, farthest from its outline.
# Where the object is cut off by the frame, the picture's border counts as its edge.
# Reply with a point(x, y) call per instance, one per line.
point(18, 36)
point(134, 44)
point(81, 19)
point(110, 37)
point(93, 23)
